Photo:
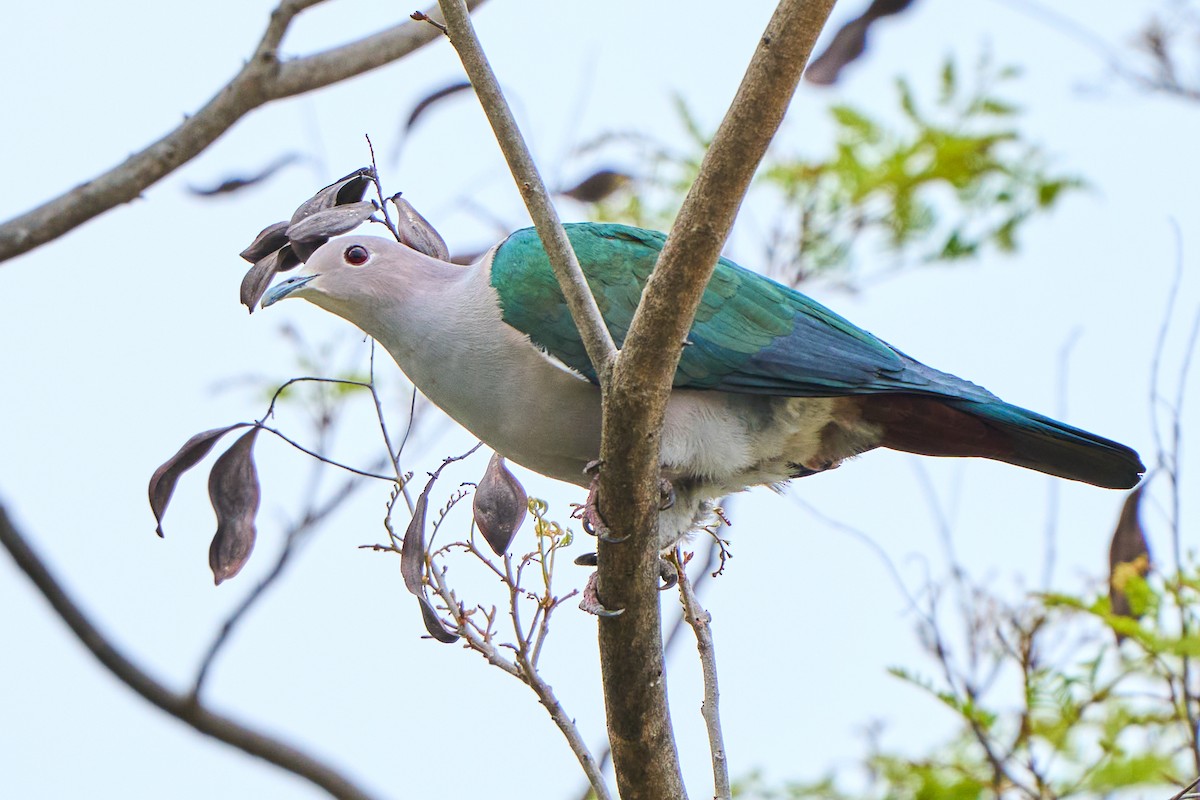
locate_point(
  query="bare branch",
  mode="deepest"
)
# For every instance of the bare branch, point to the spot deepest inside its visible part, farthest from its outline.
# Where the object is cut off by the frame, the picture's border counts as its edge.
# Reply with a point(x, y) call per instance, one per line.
point(631, 652)
point(262, 79)
point(184, 707)
point(699, 620)
point(584, 311)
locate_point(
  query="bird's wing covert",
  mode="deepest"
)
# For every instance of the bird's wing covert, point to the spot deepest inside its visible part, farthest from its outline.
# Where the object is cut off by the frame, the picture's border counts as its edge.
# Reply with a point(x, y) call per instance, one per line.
point(751, 335)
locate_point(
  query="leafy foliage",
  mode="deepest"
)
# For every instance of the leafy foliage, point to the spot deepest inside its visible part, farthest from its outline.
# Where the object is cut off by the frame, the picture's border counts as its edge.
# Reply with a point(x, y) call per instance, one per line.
point(1048, 703)
point(943, 185)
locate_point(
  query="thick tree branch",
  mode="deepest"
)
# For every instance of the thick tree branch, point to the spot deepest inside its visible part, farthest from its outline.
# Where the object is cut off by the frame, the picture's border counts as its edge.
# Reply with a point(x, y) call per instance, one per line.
point(262, 79)
point(631, 655)
point(584, 311)
point(184, 707)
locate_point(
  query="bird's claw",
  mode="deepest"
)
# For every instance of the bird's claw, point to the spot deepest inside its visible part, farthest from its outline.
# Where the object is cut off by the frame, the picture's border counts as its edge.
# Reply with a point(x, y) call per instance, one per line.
point(588, 514)
point(669, 574)
point(666, 494)
point(591, 597)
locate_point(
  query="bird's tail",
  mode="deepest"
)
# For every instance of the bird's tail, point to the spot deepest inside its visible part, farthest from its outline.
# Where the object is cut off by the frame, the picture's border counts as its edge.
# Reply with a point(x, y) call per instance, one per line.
point(1003, 432)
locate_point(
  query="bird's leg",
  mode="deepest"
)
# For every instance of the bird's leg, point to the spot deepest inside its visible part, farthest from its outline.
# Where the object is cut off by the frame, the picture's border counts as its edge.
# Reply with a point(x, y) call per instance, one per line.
point(591, 597)
point(669, 574)
point(589, 513)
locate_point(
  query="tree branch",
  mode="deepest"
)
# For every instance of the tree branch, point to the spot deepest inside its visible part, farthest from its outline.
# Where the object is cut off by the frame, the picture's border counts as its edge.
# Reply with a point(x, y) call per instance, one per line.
point(184, 707)
point(644, 753)
point(262, 79)
point(584, 311)
point(699, 620)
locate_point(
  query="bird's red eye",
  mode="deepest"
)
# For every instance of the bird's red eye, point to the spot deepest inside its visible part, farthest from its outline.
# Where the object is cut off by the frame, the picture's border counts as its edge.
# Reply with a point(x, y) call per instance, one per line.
point(356, 255)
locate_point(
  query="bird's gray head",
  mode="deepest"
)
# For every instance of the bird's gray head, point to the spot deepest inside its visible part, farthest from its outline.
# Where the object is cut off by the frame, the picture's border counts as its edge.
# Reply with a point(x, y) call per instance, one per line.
point(351, 276)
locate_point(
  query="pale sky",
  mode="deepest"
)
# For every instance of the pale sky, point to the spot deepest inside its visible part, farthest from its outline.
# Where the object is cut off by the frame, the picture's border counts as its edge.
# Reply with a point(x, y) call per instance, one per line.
point(125, 337)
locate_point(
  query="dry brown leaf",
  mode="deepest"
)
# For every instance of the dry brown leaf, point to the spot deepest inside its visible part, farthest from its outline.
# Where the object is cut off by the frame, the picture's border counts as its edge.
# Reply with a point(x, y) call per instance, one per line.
point(233, 489)
point(499, 506)
point(162, 482)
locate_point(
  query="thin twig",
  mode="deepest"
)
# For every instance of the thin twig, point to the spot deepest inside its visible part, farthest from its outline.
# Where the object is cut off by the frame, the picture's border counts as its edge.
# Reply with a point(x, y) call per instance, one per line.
point(262, 79)
point(320, 457)
point(307, 378)
point(183, 707)
point(393, 453)
point(710, 710)
point(584, 311)
point(1054, 487)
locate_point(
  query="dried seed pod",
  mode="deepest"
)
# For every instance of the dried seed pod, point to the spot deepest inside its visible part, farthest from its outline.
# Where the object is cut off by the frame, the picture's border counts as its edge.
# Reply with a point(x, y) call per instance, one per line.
point(433, 623)
point(1128, 555)
point(432, 99)
point(500, 505)
point(269, 239)
point(320, 225)
point(597, 186)
point(412, 555)
point(233, 489)
point(416, 232)
point(344, 191)
point(258, 277)
point(162, 482)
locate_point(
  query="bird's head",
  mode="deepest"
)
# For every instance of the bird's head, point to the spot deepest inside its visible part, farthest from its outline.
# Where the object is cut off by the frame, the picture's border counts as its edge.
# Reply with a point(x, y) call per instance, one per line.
point(354, 276)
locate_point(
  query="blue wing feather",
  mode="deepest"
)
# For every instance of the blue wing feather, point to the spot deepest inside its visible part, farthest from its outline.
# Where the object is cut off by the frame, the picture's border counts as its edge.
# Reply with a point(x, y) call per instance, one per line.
point(751, 335)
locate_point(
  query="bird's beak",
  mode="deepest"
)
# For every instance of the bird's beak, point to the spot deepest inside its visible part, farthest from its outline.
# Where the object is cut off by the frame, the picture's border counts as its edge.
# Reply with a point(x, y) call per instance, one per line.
point(285, 288)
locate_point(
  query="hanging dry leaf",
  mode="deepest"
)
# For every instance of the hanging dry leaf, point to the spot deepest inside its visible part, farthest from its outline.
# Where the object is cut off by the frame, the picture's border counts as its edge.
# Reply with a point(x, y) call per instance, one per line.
point(433, 623)
point(1128, 555)
point(849, 42)
point(432, 99)
point(233, 489)
point(314, 230)
point(500, 505)
point(416, 232)
point(412, 555)
point(162, 482)
point(344, 191)
point(258, 277)
point(242, 181)
point(597, 186)
point(269, 239)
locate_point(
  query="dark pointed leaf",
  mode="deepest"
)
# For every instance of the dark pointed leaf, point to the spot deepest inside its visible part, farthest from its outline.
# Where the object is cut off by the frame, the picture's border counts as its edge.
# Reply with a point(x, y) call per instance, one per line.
point(162, 482)
point(597, 186)
point(416, 232)
point(233, 489)
point(258, 277)
point(433, 623)
point(849, 42)
point(432, 99)
point(412, 555)
point(1128, 555)
point(320, 225)
point(269, 239)
point(349, 189)
point(500, 505)
point(242, 181)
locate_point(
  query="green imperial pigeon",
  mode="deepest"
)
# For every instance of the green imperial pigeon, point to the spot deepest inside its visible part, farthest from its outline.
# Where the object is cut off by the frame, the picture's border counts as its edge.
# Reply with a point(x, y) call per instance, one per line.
point(771, 385)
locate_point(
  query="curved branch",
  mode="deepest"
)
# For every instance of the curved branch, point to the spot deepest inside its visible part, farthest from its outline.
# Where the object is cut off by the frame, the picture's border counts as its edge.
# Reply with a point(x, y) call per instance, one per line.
point(262, 79)
point(597, 341)
point(184, 707)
